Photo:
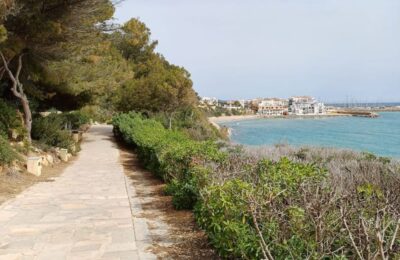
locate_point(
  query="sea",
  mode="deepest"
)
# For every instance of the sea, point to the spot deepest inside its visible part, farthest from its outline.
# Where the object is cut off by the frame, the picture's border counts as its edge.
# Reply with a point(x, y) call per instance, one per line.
point(380, 136)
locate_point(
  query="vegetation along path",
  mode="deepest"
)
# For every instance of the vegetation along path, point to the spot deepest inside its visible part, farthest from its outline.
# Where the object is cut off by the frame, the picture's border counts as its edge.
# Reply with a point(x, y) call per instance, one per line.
point(83, 214)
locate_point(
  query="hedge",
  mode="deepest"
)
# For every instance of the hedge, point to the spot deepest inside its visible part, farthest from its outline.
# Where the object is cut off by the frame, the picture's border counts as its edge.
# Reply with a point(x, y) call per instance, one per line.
point(262, 209)
point(170, 154)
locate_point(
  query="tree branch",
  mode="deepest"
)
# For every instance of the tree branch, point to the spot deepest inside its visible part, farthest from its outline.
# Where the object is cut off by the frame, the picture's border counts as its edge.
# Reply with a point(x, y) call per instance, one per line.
point(264, 247)
point(394, 235)
point(379, 237)
point(6, 67)
point(16, 84)
point(350, 234)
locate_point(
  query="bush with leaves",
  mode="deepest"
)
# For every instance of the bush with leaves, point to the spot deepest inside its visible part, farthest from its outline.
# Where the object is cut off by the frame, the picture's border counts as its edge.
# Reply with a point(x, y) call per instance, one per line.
point(303, 203)
point(7, 154)
point(51, 132)
point(97, 113)
point(74, 120)
point(170, 154)
point(10, 119)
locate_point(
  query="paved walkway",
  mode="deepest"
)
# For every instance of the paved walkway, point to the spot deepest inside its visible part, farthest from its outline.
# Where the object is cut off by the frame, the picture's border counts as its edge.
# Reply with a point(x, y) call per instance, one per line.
point(83, 214)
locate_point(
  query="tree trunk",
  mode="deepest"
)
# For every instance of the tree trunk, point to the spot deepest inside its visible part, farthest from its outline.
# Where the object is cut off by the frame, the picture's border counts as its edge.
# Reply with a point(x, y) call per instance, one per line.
point(18, 90)
point(170, 123)
point(27, 117)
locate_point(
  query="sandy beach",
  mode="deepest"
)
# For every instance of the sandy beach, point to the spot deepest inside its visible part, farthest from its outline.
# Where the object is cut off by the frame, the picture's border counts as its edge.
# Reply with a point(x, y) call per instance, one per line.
point(224, 119)
point(216, 121)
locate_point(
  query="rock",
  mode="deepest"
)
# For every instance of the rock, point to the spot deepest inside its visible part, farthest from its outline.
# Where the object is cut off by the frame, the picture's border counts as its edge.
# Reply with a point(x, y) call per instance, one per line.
point(16, 166)
point(75, 137)
point(73, 148)
point(34, 165)
point(44, 160)
point(14, 134)
point(64, 155)
point(37, 150)
point(49, 159)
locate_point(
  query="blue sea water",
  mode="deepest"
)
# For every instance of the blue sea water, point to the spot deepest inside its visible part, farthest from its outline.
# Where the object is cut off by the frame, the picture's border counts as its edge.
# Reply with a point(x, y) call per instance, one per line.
point(377, 135)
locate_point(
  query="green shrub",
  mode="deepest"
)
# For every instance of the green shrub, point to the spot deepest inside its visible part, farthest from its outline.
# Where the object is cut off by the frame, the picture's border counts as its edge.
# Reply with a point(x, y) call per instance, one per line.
point(7, 154)
point(75, 119)
point(224, 214)
point(251, 207)
point(9, 119)
point(193, 122)
point(50, 131)
point(170, 154)
point(228, 212)
point(97, 113)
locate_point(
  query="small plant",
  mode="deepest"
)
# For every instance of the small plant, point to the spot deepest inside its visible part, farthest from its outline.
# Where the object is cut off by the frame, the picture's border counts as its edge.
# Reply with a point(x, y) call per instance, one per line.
point(7, 154)
point(302, 154)
point(369, 156)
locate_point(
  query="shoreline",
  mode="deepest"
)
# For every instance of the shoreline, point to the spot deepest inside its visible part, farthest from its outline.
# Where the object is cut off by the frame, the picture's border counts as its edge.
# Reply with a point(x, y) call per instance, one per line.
point(227, 119)
point(224, 119)
point(218, 122)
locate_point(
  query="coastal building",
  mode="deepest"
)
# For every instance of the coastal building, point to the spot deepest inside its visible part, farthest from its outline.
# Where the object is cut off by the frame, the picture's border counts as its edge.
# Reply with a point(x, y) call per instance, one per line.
point(243, 103)
point(233, 105)
point(253, 104)
point(210, 101)
point(273, 107)
point(305, 105)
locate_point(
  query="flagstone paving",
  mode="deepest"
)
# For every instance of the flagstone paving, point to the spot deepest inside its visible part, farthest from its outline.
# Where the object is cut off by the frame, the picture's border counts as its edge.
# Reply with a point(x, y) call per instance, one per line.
point(83, 214)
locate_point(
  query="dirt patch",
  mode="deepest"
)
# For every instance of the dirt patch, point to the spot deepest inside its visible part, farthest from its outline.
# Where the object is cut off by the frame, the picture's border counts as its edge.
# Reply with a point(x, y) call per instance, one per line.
point(11, 184)
point(174, 233)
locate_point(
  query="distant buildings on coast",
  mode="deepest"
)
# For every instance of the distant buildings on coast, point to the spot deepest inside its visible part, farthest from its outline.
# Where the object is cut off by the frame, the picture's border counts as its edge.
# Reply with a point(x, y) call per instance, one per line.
point(300, 105)
point(305, 105)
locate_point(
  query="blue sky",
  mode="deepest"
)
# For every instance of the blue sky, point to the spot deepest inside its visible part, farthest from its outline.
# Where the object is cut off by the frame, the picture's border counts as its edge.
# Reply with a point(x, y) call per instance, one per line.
point(331, 49)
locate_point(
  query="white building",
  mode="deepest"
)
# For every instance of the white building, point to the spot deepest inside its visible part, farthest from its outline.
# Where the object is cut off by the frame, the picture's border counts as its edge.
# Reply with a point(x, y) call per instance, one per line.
point(273, 107)
point(305, 105)
point(211, 101)
point(233, 105)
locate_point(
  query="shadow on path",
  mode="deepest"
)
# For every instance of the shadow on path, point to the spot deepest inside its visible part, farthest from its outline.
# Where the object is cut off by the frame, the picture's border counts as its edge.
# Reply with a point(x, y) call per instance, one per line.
point(174, 233)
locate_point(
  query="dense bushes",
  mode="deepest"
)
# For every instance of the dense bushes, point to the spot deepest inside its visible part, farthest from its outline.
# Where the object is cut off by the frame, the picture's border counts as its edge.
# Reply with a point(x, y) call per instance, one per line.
point(50, 131)
point(74, 120)
point(54, 130)
point(284, 207)
point(192, 121)
point(170, 154)
point(7, 154)
point(262, 202)
point(9, 119)
point(97, 113)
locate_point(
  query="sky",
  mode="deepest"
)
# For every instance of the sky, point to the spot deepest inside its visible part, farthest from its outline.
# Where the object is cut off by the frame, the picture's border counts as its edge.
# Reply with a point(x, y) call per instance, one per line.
point(334, 50)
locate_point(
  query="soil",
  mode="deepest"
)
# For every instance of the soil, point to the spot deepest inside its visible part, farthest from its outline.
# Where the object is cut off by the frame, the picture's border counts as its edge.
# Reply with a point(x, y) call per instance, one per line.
point(11, 184)
point(174, 233)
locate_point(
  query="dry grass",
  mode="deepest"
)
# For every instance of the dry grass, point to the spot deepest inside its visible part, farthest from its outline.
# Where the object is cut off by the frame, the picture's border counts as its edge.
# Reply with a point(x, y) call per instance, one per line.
point(13, 182)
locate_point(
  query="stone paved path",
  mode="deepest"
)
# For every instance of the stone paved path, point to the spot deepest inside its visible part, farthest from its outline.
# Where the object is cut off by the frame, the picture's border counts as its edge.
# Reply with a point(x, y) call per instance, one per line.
point(83, 214)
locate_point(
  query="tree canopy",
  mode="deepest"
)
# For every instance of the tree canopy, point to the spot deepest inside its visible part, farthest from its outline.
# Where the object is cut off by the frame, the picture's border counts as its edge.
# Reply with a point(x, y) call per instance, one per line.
point(66, 54)
point(157, 85)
